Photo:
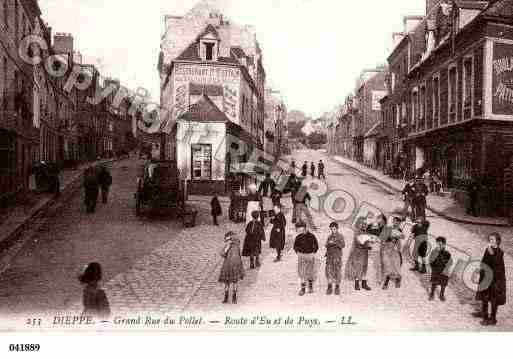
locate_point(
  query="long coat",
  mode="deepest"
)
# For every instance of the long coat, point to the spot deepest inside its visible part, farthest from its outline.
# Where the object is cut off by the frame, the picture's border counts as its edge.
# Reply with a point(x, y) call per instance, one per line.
point(277, 240)
point(390, 255)
point(440, 261)
point(255, 235)
point(358, 261)
point(496, 290)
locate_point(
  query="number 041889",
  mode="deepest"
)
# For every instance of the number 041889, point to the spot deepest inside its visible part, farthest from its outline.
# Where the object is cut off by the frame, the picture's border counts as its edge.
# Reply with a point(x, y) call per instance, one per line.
point(24, 347)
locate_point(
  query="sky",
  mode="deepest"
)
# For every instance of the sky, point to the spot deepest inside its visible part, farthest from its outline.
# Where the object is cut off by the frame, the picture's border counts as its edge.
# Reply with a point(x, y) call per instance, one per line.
point(313, 49)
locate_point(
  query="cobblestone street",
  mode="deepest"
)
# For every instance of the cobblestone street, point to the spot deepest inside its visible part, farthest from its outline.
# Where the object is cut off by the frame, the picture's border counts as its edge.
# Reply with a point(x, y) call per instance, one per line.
point(155, 266)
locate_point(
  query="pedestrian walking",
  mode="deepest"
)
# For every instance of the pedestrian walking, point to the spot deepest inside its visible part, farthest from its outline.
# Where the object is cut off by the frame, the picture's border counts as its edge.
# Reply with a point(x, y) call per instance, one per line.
point(277, 238)
point(408, 198)
point(419, 201)
point(358, 261)
point(437, 182)
point(91, 189)
point(321, 170)
point(428, 180)
point(419, 233)
point(302, 203)
point(473, 195)
point(105, 181)
point(312, 170)
point(255, 235)
point(276, 197)
point(266, 190)
point(334, 250)
point(304, 169)
point(440, 260)
point(492, 281)
point(232, 270)
point(293, 166)
point(216, 209)
point(94, 299)
point(306, 247)
point(390, 254)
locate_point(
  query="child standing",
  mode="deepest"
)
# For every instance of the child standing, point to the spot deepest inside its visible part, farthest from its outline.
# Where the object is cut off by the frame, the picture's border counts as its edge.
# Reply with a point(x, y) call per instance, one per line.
point(334, 247)
point(306, 246)
point(232, 270)
point(216, 209)
point(95, 300)
point(255, 235)
point(440, 260)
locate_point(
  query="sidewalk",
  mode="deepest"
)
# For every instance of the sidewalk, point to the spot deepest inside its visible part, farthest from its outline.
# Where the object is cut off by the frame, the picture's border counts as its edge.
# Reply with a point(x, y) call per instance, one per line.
point(19, 217)
point(445, 207)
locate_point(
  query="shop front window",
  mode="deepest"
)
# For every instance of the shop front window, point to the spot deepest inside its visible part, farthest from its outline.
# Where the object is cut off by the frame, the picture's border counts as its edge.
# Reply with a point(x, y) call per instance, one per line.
point(201, 162)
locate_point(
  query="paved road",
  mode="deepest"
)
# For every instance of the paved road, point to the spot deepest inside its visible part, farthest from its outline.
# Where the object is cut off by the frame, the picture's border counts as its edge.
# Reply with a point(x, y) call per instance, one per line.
point(155, 266)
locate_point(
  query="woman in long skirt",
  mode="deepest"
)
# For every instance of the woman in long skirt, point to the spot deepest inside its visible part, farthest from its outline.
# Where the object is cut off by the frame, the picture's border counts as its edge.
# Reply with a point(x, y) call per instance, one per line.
point(492, 281)
point(255, 235)
point(232, 270)
point(277, 240)
point(358, 261)
point(390, 254)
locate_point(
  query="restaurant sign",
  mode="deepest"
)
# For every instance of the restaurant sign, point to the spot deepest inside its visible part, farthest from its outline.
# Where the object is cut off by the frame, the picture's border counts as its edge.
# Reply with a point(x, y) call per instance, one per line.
point(502, 92)
point(208, 75)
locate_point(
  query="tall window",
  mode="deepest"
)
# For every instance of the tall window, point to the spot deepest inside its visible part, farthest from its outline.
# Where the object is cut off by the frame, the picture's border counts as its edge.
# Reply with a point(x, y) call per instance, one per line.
point(453, 90)
point(201, 162)
point(6, 13)
point(414, 108)
point(468, 87)
point(422, 107)
point(16, 19)
point(436, 100)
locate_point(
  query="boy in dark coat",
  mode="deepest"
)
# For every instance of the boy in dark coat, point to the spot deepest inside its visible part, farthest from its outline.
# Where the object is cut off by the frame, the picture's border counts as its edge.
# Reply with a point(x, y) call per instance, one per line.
point(407, 198)
point(419, 203)
point(419, 233)
point(215, 209)
point(492, 291)
point(255, 235)
point(312, 170)
point(306, 246)
point(91, 190)
point(321, 170)
point(277, 240)
point(440, 260)
point(304, 169)
point(105, 181)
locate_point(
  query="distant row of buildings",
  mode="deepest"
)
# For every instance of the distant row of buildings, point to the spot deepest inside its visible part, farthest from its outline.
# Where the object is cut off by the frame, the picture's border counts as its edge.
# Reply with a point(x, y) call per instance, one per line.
point(218, 116)
point(46, 112)
point(444, 101)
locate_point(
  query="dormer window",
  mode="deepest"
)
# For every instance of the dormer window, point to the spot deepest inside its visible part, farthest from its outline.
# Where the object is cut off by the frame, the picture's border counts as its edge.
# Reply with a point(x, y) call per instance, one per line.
point(209, 51)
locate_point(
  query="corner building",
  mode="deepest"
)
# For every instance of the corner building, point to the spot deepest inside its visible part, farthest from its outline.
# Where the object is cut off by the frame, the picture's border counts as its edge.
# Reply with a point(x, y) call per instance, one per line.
point(212, 94)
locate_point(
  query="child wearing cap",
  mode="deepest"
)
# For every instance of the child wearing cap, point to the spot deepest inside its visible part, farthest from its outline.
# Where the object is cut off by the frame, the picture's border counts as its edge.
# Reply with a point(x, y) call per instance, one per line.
point(232, 270)
point(440, 260)
point(334, 247)
point(94, 298)
point(306, 246)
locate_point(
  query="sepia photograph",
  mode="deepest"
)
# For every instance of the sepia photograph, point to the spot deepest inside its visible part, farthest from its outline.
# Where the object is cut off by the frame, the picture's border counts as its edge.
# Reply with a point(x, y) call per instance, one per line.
point(274, 166)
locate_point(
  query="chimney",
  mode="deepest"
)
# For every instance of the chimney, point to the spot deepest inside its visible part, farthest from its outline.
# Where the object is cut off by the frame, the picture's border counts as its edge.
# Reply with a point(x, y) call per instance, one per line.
point(63, 43)
point(430, 5)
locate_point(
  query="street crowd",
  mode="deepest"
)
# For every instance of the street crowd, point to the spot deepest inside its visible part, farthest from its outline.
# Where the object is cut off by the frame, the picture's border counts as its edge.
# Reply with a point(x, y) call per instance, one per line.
point(370, 230)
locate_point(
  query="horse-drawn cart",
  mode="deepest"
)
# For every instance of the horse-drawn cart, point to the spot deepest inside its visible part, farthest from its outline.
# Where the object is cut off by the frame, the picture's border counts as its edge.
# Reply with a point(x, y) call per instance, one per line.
point(159, 189)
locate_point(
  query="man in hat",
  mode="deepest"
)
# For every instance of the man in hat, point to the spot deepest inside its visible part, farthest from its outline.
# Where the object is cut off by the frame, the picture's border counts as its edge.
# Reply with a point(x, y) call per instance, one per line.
point(306, 247)
point(419, 202)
